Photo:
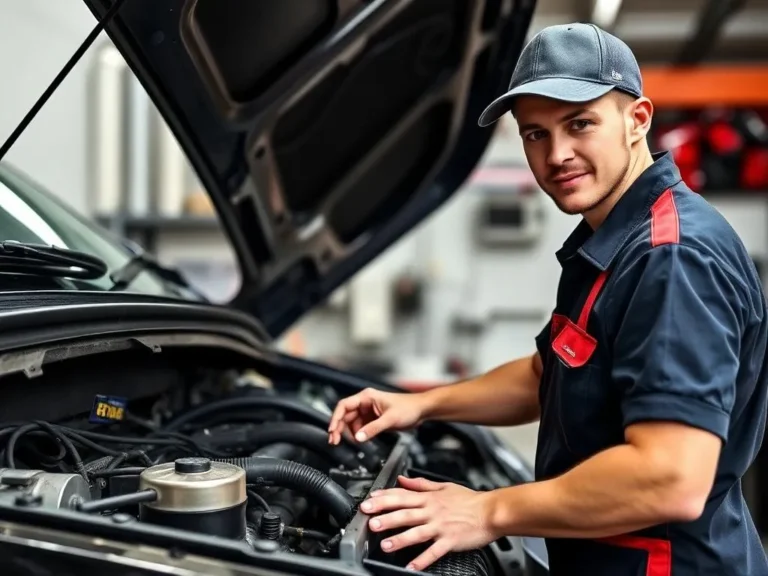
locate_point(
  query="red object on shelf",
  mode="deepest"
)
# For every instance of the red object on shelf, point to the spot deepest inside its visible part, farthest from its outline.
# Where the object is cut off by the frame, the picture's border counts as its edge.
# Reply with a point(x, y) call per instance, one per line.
point(724, 139)
point(754, 174)
point(683, 141)
point(718, 150)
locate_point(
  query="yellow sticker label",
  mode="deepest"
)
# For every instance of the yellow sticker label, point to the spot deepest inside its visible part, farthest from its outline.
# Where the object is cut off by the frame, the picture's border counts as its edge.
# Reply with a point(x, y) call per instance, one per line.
point(108, 409)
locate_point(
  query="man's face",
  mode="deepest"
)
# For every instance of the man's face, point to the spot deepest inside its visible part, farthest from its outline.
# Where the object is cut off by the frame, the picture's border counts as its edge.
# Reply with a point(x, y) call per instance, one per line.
point(578, 153)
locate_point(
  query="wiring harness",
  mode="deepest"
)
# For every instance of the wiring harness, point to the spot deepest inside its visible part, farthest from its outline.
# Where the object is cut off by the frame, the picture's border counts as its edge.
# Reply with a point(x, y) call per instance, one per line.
point(58, 448)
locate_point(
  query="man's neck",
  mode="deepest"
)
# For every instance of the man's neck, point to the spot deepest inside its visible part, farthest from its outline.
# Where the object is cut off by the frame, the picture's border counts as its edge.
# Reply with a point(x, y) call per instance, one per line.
point(638, 164)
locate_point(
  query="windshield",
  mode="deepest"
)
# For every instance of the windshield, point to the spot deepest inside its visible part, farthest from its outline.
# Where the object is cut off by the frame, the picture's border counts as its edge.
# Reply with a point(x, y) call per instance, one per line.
point(28, 213)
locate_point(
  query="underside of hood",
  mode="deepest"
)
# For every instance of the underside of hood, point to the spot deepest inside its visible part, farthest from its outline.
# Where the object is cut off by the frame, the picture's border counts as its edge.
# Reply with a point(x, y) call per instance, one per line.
point(323, 130)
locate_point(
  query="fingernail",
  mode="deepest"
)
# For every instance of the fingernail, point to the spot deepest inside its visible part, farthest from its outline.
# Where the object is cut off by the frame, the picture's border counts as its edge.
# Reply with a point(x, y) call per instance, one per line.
point(360, 436)
point(386, 544)
point(375, 493)
point(376, 524)
point(366, 506)
point(410, 567)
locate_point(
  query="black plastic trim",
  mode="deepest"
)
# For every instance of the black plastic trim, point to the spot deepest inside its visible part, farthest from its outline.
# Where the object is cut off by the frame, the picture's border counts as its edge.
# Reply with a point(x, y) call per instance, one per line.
point(24, 328)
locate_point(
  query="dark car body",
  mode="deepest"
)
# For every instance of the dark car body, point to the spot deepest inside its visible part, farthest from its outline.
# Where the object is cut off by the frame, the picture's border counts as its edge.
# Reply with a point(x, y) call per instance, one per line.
point(322, 131)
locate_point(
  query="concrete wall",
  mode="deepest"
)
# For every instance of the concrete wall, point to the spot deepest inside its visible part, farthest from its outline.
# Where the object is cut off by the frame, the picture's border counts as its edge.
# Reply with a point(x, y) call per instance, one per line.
point(37, 37)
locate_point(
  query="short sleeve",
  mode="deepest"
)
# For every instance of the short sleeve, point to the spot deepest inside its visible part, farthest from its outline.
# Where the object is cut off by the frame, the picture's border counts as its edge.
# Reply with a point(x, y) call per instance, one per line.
point(542, 339)
point(676, 348)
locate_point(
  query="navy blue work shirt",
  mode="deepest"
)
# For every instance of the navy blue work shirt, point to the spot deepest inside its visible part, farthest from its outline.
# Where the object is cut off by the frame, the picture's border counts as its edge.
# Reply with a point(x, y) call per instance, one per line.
point(660, 316)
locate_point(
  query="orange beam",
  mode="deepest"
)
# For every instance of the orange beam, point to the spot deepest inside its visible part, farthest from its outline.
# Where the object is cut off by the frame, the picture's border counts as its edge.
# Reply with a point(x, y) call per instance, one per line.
point(706, 86)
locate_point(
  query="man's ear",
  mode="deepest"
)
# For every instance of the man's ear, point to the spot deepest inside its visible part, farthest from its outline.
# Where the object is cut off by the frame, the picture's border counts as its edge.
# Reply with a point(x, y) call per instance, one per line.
point(640, 115)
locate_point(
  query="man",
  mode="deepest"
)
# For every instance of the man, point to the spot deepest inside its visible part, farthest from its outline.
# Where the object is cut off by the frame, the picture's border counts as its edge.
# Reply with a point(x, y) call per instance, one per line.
point(649, 380)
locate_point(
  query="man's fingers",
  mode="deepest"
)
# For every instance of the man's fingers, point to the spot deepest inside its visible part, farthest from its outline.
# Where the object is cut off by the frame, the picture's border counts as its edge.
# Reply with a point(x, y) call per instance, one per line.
point(345, 406)
point(430, 555)
point(399, 519)
point(419, 484)
point(353, 412)
point(348, 426)
point(346, 410)
point(337, 435)
point(356, 425)
point(409, 538)
point(351, 416)
point(343, 430)
point(398, 492)
point(392, 500)
point(376, 427)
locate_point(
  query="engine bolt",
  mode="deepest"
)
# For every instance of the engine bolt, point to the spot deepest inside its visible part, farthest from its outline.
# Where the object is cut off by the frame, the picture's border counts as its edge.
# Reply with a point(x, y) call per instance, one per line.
point(270, 526)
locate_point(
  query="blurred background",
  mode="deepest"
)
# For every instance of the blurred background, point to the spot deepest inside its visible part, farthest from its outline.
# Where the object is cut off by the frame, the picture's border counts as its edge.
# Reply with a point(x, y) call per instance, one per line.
point(470, 288)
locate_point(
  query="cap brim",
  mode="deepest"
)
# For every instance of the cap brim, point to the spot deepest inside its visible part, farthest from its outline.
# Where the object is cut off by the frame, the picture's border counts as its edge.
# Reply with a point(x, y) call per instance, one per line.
point(565, 89)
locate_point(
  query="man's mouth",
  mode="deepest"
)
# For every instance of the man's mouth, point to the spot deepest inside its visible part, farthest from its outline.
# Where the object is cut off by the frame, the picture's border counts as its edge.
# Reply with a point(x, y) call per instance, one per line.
point(570, 179)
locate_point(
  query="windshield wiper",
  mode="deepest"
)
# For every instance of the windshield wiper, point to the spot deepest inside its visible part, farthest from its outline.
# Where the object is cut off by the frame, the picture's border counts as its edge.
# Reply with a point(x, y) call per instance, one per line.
point(126, 274)
point(42, 260)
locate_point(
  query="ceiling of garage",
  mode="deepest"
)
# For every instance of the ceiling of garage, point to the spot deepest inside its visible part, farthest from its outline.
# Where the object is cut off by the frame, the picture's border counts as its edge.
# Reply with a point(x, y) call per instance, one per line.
point(667, 31)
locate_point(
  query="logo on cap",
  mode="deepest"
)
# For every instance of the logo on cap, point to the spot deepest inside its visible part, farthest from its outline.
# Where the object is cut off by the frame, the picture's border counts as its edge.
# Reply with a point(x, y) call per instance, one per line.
point(616, 76)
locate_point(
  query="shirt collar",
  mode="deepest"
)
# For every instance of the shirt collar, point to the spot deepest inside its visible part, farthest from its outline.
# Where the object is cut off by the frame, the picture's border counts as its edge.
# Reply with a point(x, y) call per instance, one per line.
point(601, 246)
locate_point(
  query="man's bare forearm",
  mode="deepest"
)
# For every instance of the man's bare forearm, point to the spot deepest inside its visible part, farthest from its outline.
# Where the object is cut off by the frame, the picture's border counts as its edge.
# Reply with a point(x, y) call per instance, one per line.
point(620, 490)
point(505, 396)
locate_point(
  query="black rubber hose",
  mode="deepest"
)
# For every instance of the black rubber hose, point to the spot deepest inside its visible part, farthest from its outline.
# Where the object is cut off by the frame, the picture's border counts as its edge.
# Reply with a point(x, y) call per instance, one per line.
point(297, 409)
point(311, 483)
point(300, 411)
point(133, 471)
point(259, 500)
point(295, 433)
point(77, 460)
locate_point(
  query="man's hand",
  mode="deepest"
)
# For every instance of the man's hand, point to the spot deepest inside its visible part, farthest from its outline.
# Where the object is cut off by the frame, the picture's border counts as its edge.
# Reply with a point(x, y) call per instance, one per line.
point(372, 412)
point(454, 518)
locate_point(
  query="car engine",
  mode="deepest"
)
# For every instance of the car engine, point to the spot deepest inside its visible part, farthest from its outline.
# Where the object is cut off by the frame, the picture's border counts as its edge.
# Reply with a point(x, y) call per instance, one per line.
point(234, 457)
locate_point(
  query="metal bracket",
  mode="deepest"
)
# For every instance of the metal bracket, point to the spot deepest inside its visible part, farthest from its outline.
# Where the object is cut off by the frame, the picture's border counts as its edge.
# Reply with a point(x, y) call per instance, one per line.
point(31, 363)
point(353, 546)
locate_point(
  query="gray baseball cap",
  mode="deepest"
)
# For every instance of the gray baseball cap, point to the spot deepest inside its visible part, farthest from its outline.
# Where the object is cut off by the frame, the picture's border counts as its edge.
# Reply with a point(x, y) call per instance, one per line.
point(570, 62)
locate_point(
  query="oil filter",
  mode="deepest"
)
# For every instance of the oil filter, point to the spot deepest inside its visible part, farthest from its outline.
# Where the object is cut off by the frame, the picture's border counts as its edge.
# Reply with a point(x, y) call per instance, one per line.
point(198, 495)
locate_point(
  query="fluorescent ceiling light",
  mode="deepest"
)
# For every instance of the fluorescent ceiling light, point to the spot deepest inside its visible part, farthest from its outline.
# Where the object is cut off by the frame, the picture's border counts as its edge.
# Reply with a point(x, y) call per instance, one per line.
point(604, 12)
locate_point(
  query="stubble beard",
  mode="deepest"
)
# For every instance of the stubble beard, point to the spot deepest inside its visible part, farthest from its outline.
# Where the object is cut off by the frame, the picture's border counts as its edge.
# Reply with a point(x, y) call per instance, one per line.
point(607, 193)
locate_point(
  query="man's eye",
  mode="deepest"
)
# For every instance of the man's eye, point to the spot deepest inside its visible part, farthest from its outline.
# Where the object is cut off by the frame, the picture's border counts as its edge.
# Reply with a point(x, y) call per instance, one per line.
point(535, 135)
point(580, 124)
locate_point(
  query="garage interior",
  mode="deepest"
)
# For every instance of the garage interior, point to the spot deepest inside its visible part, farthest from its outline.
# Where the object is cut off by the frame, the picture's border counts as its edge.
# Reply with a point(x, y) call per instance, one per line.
point(470, 288)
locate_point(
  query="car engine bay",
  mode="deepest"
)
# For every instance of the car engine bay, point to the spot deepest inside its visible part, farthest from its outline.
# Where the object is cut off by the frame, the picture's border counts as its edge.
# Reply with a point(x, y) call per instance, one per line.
point(231, 455)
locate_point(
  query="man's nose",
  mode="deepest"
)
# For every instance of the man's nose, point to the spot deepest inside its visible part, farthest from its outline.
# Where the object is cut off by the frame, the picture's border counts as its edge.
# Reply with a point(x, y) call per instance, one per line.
point(560, 151)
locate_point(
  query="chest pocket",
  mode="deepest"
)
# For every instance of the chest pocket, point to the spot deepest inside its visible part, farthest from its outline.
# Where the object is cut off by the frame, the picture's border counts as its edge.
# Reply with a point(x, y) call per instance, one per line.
point(570, 341)
point(579, 399)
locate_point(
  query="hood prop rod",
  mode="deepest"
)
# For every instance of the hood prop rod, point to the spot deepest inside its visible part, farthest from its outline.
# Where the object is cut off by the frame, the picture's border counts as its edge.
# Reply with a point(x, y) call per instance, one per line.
point(53, 86)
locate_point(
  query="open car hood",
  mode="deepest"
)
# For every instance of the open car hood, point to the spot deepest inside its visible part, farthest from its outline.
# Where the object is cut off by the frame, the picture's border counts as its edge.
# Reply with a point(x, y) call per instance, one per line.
point(323, 130)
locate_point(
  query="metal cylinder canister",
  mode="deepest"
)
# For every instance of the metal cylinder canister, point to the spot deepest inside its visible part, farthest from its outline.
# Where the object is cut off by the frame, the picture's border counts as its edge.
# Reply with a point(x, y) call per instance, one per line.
point(53, 490)
point(198, 495)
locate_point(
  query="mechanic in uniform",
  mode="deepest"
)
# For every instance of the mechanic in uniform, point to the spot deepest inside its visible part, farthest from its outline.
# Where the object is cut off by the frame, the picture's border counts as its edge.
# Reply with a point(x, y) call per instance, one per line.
point(649, 380)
